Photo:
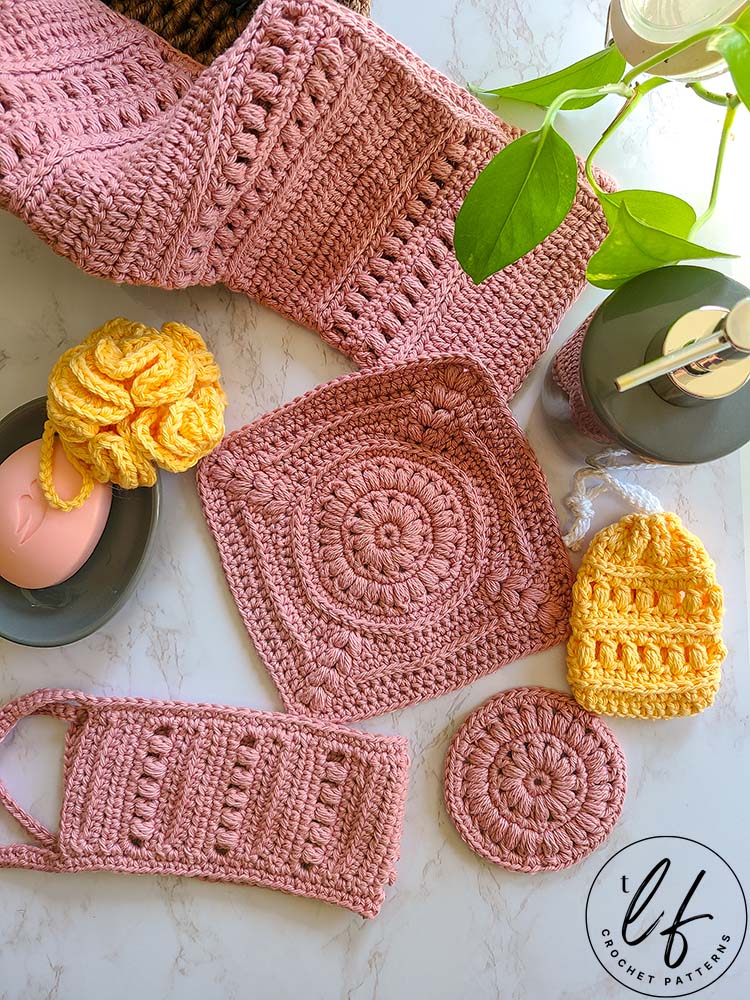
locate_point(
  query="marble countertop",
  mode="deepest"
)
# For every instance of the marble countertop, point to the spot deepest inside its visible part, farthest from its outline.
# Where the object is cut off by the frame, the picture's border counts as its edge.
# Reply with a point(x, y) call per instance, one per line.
point(453, 925)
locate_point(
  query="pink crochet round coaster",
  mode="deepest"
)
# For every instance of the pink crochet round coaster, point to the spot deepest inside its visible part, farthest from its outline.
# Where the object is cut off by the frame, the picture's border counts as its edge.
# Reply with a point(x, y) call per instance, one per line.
point(387, 538)
point(533, 781)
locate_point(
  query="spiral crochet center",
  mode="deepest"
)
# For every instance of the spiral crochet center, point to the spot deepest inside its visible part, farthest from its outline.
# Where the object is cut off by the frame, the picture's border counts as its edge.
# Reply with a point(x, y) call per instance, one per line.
point(128, 399)
point(533, 782)
point(387, 534)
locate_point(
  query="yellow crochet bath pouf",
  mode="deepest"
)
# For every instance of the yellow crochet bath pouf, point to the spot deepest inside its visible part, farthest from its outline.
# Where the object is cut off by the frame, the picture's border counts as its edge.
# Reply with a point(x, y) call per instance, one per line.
point(130, 398)
point(646, 621)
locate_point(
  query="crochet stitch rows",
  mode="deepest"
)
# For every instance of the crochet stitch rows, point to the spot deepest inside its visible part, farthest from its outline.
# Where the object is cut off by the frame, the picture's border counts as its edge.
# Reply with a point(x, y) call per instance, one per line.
point(225, 794)
point(388, 537)
point(646, 621)
point(566, 373)
point(202, 29)
point(533, 782)
point(317, 165)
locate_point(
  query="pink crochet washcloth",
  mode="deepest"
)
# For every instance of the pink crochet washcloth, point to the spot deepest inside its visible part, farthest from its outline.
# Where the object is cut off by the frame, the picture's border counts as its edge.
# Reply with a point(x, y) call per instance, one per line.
point(225, 794)
point(388, 537)
point(317, 165)
point(534, 782)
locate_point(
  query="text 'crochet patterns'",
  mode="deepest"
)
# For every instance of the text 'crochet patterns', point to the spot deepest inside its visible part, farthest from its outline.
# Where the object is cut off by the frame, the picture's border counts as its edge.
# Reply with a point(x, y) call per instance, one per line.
point(225, 794)
point(534, 782)
point(387, 538)
point(317, 165)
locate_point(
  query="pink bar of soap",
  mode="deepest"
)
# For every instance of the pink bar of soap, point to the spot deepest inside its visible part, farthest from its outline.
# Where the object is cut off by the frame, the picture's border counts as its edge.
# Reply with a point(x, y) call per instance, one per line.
point(39, 545)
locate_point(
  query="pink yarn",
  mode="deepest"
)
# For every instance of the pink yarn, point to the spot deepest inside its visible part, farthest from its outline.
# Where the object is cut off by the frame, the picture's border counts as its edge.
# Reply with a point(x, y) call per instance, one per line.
point(225, 794)
point(317, 165)
point(566, 372)
point(388, 537)
point(534, 782)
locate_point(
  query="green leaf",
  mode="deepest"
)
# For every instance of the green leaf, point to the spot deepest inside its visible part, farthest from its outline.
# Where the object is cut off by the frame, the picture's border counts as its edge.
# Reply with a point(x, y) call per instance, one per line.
point(520, 197)
point(633, 247)
point(596, 70)
point(733, 43)
point(656, 208)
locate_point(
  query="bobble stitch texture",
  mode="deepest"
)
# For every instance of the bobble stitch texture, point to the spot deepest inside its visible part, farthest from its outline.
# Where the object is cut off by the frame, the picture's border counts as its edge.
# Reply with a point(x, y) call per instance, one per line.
point(224, 794)
point(202, 29)
point(533, 782)
point(646, 621)
point(388, 537)
point(317, 166)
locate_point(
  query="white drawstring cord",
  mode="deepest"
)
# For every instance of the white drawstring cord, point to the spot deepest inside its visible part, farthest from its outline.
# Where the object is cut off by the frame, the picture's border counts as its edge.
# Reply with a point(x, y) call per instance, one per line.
point(580, 500)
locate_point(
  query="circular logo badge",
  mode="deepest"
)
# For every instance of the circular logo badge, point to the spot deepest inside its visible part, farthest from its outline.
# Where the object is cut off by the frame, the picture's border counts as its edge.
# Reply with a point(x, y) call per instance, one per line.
point(666, 916)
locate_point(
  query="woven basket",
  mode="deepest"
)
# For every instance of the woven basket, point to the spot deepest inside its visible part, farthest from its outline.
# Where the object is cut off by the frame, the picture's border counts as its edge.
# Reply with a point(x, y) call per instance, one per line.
point(202, 29)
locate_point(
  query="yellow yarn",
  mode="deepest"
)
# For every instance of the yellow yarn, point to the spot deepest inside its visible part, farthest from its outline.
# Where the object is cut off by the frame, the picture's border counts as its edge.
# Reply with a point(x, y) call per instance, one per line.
point(129, 398)
point(646, 621)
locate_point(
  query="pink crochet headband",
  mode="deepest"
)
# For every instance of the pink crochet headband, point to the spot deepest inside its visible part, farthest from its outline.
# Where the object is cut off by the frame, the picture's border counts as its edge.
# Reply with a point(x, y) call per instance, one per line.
point(317, 165)
point(387, 538)
point(226, 794)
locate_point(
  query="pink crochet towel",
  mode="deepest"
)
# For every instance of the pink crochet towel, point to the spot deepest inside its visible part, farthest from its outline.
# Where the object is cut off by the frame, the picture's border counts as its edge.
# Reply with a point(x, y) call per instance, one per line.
point(225, 794)
point(317, 165)
point(387, 538)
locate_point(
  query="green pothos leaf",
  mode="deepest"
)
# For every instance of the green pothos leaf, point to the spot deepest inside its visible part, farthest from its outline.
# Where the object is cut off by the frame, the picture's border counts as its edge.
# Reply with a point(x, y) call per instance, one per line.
point(520, 197)
point(656, 208)
point(606, 66)
point(633, 247)
point(733, 43)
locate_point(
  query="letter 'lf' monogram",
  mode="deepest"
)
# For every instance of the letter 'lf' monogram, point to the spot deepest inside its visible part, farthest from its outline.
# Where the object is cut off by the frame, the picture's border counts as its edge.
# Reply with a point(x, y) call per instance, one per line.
point(648, 888)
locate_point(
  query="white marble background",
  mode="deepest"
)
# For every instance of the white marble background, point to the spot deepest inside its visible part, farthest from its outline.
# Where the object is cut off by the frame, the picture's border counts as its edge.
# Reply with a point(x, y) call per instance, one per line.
point(453, 926)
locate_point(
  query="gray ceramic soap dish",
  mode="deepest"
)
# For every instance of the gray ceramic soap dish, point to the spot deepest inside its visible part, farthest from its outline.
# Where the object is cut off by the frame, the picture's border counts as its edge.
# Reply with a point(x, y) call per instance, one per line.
point(80, 605)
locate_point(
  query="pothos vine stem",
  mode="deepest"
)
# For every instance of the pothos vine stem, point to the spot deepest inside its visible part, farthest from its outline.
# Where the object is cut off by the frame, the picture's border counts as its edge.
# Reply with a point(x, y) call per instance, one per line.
point(637, 94)
point(723, 100)
point(634, 91)
point(562, 99)
point(726, 128)
point(668, 54)
point(634, 94)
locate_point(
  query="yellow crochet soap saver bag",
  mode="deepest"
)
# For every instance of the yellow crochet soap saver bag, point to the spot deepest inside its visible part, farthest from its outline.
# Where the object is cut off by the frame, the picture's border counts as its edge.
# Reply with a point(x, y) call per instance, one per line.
point(647, 612)
point(646, 621)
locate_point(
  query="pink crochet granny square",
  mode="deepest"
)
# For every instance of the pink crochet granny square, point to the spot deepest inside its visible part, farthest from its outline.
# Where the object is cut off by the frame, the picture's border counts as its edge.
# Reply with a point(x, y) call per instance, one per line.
point(388, 537)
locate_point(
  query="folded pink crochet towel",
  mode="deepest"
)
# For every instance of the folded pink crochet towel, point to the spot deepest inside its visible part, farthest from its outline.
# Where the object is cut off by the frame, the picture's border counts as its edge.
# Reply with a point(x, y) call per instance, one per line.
point(317, 165)
point(387, 538)
point(225, 794)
